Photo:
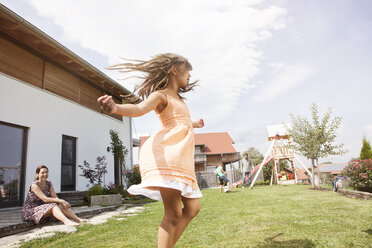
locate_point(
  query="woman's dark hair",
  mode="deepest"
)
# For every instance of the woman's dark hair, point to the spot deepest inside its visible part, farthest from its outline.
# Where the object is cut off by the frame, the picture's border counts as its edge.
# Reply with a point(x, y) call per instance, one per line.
point(38, 169)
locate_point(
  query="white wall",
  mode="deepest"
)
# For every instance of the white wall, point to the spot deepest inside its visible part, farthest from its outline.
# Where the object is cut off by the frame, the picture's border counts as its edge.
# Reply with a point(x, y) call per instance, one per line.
point(48, 117)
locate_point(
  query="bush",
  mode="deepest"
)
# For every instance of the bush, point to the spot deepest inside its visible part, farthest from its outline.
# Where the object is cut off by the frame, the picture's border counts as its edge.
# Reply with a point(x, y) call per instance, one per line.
point(360, 174)
point(95, 190)
point(133, 176)
point(94, 175)
point(114, 189)
point(257, 183)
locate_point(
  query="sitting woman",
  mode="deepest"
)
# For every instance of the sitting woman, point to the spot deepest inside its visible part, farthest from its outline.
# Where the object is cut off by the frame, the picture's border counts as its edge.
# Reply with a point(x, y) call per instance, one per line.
point(42, 202)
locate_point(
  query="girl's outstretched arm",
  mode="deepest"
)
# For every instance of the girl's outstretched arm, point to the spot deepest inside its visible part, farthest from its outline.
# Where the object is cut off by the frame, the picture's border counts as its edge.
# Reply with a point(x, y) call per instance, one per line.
point(198, 124)
point(132, 110)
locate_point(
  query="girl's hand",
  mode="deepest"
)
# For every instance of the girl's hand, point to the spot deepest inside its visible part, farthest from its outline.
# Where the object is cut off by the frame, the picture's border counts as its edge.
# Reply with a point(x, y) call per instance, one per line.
point(198, 124)
point(107, 104)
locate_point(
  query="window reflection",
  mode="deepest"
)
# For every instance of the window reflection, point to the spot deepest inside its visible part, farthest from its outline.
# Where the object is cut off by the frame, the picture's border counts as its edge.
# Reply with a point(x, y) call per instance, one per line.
point(11, 145)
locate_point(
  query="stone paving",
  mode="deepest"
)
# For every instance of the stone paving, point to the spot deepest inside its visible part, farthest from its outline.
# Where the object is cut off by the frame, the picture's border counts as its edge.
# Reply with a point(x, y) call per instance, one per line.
point(49, 230)
point(11, 221)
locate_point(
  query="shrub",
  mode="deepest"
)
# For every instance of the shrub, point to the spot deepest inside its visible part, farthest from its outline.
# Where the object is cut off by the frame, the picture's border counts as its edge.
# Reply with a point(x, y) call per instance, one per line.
point(94, 175)
point(267, 182)
point(366, 151)
point(360, 174)
point(133, 176)
point(95, 190)
point(114, 189)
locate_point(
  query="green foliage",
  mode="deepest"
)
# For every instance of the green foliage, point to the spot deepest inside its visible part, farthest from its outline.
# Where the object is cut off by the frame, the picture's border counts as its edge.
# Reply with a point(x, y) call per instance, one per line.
point(114, 189)
point(119, 151)
point(133, 176)
point(360, 174)
point(95, 190)
point(268, 168)
point(315, 140)
point(366, 151)
point(259, 182)
point(254, 155)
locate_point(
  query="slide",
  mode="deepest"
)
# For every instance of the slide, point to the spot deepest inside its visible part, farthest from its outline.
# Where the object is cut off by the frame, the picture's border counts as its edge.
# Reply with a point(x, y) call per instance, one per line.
point(240, 182)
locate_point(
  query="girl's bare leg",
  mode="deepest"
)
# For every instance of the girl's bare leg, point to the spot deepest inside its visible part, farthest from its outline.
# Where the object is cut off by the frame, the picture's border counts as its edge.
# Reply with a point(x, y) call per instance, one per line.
point(191, 208)
point(172, 215)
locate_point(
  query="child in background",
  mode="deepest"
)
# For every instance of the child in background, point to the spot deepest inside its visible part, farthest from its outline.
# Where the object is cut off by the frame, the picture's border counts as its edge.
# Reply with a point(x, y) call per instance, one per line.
point(222, 179)
point(167, 158)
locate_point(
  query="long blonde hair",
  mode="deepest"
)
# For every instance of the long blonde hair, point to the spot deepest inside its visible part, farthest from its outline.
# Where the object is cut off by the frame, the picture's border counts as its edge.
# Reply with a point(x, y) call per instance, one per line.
point(156, 73)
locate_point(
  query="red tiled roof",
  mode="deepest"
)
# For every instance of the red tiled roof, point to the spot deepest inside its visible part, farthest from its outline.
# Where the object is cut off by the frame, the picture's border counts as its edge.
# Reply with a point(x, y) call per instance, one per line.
point(301, 174)
point(215, 143)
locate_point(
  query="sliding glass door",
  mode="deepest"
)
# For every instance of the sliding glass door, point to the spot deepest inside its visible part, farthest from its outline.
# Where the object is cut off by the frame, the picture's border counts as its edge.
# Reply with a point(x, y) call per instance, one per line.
point(12, 163)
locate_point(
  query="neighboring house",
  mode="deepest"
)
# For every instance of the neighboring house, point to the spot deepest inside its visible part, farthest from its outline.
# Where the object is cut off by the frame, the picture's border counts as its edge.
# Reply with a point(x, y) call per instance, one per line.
point(328, 171)
point(211, 151)
point(49, 113)
point(302, 177)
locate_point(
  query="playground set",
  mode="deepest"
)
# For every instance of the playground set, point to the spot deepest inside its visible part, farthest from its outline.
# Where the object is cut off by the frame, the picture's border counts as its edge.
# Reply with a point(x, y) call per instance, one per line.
point(279, 149)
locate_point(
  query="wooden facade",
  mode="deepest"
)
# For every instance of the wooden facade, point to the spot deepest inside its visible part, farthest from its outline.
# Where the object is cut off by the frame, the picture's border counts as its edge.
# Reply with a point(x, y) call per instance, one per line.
point(28, 54)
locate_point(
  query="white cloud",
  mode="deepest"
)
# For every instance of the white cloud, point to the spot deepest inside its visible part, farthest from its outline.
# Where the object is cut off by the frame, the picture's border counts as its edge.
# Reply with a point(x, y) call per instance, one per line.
point(368, 131)
point(220, 39)
point(288, 78)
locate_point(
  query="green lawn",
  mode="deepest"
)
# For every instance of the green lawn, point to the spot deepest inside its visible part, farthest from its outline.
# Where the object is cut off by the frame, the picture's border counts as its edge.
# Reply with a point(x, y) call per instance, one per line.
point(276, 216)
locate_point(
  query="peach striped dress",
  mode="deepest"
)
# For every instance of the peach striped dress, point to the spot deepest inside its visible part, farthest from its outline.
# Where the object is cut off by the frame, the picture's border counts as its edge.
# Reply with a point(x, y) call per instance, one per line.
point(166, 158)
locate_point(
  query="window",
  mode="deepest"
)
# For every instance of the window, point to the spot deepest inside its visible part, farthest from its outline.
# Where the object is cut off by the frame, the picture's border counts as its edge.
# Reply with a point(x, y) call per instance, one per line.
point(12, 159)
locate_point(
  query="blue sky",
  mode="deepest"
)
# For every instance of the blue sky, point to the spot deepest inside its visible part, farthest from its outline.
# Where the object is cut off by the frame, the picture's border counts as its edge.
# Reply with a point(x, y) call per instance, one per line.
point(257, 61)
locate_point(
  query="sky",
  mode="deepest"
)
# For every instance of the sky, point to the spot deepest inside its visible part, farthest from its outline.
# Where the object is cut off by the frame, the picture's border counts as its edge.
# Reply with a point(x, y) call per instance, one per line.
point(257, 61)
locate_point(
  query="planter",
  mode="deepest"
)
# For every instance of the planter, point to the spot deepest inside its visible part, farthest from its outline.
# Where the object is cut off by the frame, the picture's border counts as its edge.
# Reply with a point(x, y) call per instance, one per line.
point(106, 200)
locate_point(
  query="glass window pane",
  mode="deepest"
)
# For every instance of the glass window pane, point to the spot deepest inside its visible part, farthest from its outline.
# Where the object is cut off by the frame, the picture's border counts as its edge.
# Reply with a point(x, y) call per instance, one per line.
point(67, 175)
point(11, 145)
point(67, 151)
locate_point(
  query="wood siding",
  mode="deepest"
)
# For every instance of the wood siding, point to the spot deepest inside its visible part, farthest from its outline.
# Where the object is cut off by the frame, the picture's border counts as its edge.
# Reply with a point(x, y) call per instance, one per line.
point(26, 65)
point(61, 82)
point(19, 63)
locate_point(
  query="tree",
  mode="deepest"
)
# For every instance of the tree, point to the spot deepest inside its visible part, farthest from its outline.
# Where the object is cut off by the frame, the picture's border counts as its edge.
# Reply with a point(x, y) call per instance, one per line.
point(366, 151)
point(315, 140)
point(120, 153)
point(254, 155)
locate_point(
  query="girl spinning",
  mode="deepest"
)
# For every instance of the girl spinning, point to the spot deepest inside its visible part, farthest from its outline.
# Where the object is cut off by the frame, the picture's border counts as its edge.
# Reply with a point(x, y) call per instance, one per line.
point(167, 158)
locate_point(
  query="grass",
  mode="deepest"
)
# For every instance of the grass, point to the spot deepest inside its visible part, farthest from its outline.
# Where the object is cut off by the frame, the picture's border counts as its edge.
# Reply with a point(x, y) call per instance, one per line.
point(276, 216)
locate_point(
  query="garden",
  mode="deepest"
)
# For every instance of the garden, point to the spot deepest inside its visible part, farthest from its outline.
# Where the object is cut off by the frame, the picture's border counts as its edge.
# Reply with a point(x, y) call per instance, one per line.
point(266, 216)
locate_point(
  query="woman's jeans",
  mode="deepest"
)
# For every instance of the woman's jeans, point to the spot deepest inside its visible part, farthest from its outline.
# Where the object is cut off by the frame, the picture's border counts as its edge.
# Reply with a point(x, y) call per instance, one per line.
point(249, 178)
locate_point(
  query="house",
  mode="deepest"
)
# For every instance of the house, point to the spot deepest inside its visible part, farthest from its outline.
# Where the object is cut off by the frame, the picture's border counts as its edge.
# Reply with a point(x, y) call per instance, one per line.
point(302, 177)
point(329, 170)
point(49, 113)
point(211, 151)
